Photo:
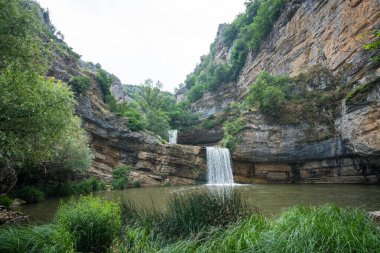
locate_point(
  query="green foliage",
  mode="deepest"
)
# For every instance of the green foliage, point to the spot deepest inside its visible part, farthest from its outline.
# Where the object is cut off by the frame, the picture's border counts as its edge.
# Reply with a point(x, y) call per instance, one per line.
point(239, 237)
point(191, 212)
point(180, 116)
point(80, 84)
point(374, 46)
point(239, 55)
point(135, 118)
point(20, 33)
point(30, 194)
point(5, 201)
point(150, 96)
point(120, 177)
point(158, 122)
point(35, 239)
point(231, 128)
point(75, 188)
point(217, 75)
point(269, 93)
point(35, 113)
point(195, 93)
point(362, 89)
point(137, 183)
point(261, 26)
point(321, 229)
point(246, 33)
point(93, 222)
point(208, 123)
point(105, 81)
point(71, 156)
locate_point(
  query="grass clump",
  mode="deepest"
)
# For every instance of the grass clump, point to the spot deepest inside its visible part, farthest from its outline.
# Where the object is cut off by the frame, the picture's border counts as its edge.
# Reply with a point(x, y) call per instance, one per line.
point(30, 194)
point(5, 201)
point(94, 223)
point(191, 213)
point(321, 229)
point(362, 89)
point(120, 177)
point(35, 239)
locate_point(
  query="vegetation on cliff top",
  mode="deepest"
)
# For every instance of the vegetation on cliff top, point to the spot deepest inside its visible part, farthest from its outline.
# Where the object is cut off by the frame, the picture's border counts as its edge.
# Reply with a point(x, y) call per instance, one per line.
point(154, 110)
point(244, 35)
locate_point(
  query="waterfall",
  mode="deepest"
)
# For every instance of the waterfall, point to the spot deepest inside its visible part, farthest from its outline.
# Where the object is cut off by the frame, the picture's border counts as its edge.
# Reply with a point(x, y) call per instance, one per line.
point(219, 171)
point(173, 136)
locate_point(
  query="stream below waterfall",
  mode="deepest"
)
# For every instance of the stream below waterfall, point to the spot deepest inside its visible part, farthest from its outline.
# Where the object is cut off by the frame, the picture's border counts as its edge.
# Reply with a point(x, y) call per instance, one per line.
point(270, 199)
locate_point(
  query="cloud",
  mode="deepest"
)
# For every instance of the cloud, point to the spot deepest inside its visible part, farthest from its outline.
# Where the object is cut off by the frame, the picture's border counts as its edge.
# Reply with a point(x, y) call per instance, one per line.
point(136, 40)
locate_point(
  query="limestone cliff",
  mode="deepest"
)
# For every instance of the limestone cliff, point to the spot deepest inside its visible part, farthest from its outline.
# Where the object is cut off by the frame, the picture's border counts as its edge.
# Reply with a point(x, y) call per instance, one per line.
point(322, 40)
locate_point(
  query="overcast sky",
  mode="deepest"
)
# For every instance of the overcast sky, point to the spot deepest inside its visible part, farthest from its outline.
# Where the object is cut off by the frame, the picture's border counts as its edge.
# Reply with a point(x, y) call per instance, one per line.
point(139, 39)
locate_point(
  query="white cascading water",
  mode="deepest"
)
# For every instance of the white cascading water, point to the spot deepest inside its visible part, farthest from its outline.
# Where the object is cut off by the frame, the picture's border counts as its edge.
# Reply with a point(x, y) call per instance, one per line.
point(219, 171)
point(173, 136)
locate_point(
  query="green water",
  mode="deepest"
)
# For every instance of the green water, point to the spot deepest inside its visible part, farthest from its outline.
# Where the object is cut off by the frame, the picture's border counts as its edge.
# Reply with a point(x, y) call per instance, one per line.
point(270, 199)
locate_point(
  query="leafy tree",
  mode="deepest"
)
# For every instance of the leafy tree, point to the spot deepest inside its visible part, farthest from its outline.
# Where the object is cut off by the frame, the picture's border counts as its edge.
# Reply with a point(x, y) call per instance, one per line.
point(150, 96)
point(157, 122)
point(72, 155)
point(195, 93)
point(20, 33)
point(34, 113)
point(135, 118)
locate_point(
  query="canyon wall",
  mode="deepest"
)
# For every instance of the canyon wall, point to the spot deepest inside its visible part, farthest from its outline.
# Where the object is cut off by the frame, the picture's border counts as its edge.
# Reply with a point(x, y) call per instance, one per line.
point(324, 40)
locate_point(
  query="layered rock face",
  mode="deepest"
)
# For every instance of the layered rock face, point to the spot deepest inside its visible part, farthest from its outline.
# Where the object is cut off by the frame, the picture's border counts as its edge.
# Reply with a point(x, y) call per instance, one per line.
point(153, 163)
point(309, 34)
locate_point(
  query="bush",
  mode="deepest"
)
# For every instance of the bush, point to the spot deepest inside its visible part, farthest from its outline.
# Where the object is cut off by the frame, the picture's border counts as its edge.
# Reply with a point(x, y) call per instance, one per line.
point(195, 93)
point(93, 222)
point(5, 201)
point(137, 183)
point(30, 194)
point(35, 239)
point(230, 130)
point(120, 177)
point(135, 117)
point(158, 123)
point(80, 84)
point(269, 93)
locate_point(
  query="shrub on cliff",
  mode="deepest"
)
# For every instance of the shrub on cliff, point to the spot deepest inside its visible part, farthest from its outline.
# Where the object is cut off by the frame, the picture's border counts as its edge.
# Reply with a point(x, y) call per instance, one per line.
point(120, 177)
point(80, 84)
point(93, 222)
point(135, 118)
point(269, 93)
point(231, 128)
point(195, 93)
